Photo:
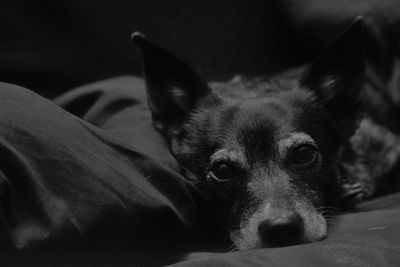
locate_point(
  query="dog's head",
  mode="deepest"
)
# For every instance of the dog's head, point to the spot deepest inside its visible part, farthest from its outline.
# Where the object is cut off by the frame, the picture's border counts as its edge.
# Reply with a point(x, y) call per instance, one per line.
point(269, 163)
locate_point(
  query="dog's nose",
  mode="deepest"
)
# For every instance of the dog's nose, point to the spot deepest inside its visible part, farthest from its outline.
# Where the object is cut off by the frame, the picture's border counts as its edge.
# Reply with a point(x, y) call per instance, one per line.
point(285, 230)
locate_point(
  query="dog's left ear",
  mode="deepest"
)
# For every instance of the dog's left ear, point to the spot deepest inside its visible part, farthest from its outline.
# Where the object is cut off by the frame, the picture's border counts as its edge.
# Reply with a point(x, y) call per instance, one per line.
point(174, 90)
point(336, 78)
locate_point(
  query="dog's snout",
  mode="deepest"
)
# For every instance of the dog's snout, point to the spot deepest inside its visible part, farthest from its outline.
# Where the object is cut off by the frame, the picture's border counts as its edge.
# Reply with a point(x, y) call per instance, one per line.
point(285, 230)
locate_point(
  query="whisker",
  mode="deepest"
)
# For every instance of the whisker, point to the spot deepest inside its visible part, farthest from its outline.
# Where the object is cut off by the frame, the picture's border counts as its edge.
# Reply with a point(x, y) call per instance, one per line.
point(233, 248)
point(332, 223)
point(331, 220)
point(327, 208)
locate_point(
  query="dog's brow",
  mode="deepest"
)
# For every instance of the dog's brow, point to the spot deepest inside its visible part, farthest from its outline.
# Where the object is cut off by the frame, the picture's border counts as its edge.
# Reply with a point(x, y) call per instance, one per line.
point(292, 140)
point(231, 154)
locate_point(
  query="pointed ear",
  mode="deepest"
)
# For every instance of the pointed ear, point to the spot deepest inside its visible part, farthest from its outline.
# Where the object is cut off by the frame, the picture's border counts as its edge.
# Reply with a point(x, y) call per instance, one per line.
point(174, 90)
point(336, 78)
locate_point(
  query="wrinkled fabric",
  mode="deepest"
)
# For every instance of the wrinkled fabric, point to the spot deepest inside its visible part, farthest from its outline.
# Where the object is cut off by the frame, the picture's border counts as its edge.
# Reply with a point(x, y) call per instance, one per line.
point(63, 178)
point(93, 184)
point(97, 170)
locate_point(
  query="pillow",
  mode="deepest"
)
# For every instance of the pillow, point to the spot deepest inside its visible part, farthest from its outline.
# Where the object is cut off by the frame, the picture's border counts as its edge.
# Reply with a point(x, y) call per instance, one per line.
point(66, 181)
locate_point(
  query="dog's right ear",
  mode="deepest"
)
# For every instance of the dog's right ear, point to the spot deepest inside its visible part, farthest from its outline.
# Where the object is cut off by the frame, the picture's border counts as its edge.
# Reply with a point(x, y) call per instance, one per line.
point(174, 90)
point(336, 77)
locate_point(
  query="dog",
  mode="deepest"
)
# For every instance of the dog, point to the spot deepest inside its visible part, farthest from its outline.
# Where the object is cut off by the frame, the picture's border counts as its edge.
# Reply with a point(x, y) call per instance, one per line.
point(272, 157)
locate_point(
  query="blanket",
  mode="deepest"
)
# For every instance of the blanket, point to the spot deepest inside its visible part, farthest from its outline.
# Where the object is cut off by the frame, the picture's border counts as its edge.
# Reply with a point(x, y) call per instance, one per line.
point(85, 180)
point(94, 184)
point(63, 178)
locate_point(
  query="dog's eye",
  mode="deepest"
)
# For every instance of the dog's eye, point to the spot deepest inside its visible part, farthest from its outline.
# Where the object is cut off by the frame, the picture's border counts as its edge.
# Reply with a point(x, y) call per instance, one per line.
point(220, 171)
point(303, 155)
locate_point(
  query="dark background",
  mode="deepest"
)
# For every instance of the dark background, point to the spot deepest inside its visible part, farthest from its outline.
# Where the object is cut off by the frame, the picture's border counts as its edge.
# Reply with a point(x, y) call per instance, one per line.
point(52, 46)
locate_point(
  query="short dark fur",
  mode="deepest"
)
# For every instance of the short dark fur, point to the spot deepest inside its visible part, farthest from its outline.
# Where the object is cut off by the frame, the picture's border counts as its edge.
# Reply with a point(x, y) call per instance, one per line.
point(241, 141)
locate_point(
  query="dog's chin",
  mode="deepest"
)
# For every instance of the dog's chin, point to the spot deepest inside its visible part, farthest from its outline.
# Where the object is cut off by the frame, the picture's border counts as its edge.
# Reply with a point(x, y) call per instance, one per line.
point(314, 228)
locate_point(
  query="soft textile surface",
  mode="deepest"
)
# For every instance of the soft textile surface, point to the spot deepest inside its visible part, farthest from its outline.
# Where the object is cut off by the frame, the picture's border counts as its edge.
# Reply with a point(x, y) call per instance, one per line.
point(73, 193)
point(367, 237)
point(99, 187)
point(64, 179)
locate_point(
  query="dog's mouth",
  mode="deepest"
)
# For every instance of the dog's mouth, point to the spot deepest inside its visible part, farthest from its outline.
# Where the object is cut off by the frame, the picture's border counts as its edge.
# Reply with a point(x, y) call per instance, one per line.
point(277, 227)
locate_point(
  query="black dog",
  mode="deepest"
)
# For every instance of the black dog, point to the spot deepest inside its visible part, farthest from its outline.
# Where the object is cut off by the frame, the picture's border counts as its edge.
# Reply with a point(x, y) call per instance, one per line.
point(272, 157)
